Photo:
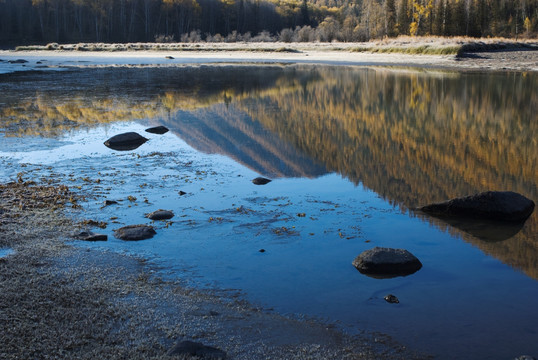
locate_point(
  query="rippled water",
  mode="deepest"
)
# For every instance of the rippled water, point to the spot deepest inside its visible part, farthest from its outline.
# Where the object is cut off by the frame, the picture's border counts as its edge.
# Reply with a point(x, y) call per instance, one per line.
point(351, 152)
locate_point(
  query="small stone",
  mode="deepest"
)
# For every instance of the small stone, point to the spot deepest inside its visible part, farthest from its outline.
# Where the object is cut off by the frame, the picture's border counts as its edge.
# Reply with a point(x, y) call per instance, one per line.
point(391, 299)
point(110, 202)
point(192, 348)
point(181, 193)
point(260, 181)
point(262, 250)
point(126, 141)
point(135, 232)
point(301, 214)
point(160, 215)
point(91, 236)
point(158, 130)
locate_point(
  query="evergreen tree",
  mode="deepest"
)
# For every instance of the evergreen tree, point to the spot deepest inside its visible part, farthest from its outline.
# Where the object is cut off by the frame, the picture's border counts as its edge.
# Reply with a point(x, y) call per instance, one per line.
point(390, 18)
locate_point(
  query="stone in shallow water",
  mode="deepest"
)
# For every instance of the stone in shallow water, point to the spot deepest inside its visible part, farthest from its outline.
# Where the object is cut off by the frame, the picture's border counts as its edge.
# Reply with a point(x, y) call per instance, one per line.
point(18, 61)
point(391, 299)
point(260, 181)
point(160, 215)
point(91, 236)
point(492, 205)
point(6, 252)
point(135, 232)
point(387, 262)
point(158, 130)
point(186, 348)
point(126, 141)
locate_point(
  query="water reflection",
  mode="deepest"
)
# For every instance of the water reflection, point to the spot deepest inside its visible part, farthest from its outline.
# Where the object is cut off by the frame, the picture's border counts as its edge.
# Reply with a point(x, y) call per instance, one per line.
point(413, 137)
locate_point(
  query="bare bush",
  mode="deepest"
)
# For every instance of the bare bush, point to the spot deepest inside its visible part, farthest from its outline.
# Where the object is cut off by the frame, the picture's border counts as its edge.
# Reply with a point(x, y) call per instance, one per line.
point(286, 35)
point(164, 38)
point(264, 36)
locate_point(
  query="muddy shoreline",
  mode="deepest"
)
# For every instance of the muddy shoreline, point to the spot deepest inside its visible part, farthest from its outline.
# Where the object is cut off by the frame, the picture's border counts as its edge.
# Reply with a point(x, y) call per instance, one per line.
point(61, 301)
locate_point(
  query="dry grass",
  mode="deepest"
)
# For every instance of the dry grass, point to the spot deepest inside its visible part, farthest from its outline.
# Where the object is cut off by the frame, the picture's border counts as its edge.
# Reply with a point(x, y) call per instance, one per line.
point(431, 45)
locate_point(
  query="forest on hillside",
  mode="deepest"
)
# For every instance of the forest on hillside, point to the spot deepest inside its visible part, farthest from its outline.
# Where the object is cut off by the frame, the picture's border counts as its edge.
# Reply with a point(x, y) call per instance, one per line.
point(62, 21)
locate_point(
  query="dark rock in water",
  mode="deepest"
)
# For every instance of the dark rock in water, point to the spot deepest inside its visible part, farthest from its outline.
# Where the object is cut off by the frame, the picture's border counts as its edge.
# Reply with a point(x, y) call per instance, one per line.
point(192, 348)
point(262, 250)
point(260, 181)
point(126, 141)
point(18, 61)
point(181, 193)
point(169, 57)
point(386, 262)
point(110, 202)
point(391, 299)
point(160, 215)
point(91, 236)
point(492, 205)
point(158, 130)
point(135, 232)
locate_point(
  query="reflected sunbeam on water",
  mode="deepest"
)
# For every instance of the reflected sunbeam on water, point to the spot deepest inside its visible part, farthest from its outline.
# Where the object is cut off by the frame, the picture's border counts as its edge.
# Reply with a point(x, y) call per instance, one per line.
point(351, 152)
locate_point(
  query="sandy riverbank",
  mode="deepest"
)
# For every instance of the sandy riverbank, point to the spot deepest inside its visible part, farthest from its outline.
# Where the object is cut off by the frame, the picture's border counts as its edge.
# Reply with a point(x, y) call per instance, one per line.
point(522, 58)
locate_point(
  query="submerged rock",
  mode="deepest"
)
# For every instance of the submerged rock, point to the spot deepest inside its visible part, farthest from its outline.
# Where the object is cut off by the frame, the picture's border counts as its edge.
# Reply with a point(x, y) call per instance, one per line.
point(158, 130)
point(91, 236)
point(491, 205)
point(386, 262)
point(391, 299)
point(126, 141)
point(260, 181)
point(135, 232)
point(186, 348)
point(484, 229)
point(160, 215)
point(110, 202)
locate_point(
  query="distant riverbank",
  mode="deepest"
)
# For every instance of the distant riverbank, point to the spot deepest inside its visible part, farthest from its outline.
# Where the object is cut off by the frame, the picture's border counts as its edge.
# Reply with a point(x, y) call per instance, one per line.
point(454, 53)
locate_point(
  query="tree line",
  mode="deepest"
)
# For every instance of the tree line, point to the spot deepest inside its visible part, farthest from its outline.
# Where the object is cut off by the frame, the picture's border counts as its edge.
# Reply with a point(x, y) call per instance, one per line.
point(43, 21)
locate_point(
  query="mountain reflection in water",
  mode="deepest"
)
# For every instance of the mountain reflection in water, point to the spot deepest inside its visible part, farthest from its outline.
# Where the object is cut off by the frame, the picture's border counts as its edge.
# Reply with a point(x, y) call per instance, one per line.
point(414, 137)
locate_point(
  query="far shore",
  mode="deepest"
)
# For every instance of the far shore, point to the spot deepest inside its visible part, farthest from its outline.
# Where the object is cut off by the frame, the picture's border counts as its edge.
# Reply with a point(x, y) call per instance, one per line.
point(457, 53)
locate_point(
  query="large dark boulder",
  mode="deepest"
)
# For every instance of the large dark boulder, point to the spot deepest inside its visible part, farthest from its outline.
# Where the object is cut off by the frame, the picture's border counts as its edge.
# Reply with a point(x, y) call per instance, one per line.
point(135, 232)
point(491, 205)
point(201, 351)
point(126, 141)
point(160, 215)
point(386, 262)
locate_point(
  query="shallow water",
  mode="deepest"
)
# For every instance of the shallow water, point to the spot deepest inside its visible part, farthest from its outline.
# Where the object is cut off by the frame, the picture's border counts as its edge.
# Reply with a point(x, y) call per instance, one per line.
point(353, 149)
point(5, 252)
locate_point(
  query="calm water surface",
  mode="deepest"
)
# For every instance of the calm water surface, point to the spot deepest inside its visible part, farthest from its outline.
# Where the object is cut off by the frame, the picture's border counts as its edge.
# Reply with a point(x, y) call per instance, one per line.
point(351, 152)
